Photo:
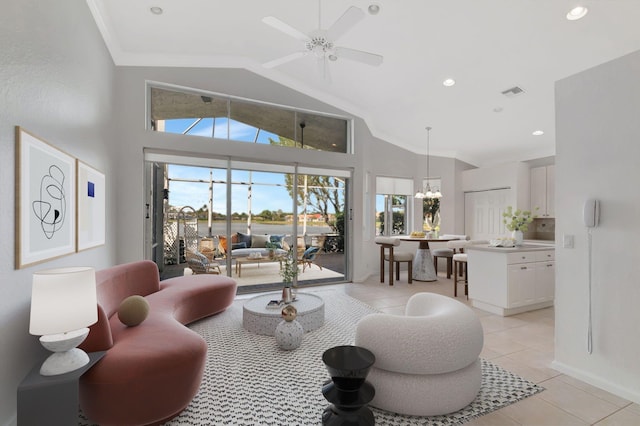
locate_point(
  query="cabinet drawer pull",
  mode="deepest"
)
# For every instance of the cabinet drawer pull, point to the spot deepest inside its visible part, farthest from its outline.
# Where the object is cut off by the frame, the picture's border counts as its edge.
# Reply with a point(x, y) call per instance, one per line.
point(523, 267)
point(549, 265)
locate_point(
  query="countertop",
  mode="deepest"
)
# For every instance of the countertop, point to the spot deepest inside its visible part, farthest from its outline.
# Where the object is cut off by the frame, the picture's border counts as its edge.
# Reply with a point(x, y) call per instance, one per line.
point(524, 247)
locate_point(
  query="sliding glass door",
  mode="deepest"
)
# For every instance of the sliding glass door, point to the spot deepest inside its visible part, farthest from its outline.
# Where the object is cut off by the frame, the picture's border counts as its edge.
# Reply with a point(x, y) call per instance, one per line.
point(244, 217)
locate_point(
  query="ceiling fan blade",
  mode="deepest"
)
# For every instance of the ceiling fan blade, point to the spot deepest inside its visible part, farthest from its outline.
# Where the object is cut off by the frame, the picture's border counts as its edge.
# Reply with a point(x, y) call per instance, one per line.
point(285, 28)
point(359, 55)
point(352, 16)
point(284, 59)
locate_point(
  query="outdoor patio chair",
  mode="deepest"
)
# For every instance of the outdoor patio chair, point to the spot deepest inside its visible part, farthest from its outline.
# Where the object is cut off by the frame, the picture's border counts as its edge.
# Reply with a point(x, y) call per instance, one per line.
point(310, 255)
point(199, 264)
point(207, 247)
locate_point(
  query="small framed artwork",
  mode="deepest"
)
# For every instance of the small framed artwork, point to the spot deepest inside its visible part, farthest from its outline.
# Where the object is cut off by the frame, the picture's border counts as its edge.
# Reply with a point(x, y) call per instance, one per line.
point(91, 207)
point(45, 201)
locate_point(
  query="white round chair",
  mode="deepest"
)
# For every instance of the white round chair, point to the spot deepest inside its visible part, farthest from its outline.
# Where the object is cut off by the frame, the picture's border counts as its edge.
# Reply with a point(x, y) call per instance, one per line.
point(427, 360)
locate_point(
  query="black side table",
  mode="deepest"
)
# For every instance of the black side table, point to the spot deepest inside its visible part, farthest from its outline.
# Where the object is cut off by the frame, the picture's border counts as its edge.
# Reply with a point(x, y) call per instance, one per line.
point(51, 400)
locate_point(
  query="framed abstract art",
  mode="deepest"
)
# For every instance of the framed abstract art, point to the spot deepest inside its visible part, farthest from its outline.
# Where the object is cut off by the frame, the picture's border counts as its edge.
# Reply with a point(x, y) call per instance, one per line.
point(45, 201)
point(91, 207)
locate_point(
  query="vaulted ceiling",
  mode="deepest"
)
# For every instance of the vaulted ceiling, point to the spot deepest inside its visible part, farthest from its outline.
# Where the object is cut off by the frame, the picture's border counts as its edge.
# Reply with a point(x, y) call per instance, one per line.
point(487, 46)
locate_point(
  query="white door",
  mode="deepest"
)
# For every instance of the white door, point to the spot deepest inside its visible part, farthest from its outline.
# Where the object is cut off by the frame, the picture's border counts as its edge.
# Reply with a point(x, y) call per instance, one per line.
point(483, 213)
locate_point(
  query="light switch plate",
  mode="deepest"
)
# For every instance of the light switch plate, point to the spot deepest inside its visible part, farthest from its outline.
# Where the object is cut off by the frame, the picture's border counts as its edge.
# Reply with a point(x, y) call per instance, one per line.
point(567, 241)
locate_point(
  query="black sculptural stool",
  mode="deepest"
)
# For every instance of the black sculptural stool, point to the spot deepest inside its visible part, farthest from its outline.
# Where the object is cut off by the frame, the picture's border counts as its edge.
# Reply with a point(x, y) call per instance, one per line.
point(348, 391)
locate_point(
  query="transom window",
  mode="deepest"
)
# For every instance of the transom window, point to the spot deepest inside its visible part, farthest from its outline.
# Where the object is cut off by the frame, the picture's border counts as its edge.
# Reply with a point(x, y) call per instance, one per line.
point(225, 117)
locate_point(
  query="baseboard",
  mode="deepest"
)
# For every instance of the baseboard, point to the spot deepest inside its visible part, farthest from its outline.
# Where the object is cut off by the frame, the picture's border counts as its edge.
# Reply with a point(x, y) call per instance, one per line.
point(597, 381)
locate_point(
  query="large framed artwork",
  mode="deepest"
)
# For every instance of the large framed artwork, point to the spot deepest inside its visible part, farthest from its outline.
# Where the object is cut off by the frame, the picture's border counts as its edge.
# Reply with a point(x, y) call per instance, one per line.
point(45, 201)
point(91, 207)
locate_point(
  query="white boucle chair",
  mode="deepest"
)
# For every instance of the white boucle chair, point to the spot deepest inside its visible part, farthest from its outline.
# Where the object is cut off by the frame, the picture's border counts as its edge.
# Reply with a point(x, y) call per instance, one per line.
point(427, 360)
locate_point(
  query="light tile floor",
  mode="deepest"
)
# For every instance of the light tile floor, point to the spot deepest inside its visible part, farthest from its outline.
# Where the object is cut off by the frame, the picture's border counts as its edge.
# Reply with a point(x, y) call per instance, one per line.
point(522, 344)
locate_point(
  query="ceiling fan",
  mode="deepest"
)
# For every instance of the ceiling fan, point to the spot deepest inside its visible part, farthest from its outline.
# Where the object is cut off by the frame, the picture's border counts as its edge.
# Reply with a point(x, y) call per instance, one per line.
point(320, 42)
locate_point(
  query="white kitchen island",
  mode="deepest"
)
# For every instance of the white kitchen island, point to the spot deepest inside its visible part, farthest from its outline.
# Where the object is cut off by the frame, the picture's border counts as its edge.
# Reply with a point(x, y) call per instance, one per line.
point(508, 281)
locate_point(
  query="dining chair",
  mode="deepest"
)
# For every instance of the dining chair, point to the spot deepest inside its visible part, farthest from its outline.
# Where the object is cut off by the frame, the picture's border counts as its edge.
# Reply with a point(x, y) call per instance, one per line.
point(387, 255)
point(460, 264)
point(446, 253)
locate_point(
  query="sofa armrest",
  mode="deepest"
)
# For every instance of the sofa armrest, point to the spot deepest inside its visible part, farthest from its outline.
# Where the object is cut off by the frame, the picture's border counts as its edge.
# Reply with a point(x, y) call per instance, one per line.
point(100, 337)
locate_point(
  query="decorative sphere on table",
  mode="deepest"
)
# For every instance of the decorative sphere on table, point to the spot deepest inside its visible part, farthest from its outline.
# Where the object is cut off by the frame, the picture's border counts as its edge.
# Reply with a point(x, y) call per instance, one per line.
point(289, 313)
point(289, 332)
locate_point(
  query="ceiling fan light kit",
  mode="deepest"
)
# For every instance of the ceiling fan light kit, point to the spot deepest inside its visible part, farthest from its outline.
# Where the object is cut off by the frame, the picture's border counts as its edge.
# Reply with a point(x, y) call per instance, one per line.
point(321, 43)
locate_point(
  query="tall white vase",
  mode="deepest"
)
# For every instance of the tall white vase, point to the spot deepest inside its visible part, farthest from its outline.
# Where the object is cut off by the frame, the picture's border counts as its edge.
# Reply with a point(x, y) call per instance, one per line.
point(518, 237)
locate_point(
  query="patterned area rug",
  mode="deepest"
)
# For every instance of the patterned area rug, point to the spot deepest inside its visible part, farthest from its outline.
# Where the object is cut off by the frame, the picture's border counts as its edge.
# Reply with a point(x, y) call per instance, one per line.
point(248, 380)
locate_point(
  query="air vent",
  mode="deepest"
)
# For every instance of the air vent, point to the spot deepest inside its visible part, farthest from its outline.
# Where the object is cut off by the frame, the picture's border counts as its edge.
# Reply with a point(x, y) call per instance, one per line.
point(514, 91)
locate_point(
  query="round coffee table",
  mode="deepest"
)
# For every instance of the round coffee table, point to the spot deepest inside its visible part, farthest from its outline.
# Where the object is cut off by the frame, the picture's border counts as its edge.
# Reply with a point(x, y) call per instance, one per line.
point(256, 318)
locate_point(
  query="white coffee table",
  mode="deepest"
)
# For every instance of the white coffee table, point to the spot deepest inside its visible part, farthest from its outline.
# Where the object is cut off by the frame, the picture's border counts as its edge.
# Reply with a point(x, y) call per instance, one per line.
point(256, 318)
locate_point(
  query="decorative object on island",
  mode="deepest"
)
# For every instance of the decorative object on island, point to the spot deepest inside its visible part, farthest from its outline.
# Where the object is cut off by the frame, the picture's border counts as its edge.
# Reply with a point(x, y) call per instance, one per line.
point(63, 305)
point(289, 332)
point(289, 271)
point(348, 391)
point(517, 222)
point(427, 190)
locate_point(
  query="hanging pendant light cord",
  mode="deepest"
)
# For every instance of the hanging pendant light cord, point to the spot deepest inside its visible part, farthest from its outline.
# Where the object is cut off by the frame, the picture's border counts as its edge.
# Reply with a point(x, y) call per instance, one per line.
point(428, 133)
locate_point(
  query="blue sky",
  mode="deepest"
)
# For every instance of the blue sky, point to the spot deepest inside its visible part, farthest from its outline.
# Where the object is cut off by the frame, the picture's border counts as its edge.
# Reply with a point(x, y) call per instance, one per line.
point(236, 130)
point(264, 197)
point(268, 192)
point(197, 194)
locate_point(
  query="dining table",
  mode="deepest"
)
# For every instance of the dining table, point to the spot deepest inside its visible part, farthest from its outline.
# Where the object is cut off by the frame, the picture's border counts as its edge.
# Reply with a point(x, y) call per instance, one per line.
point(423, 269)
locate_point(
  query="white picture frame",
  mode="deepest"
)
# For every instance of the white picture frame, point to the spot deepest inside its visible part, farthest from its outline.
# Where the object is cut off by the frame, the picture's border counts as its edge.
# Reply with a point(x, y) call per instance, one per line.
point(45, 201)
point(91, 199)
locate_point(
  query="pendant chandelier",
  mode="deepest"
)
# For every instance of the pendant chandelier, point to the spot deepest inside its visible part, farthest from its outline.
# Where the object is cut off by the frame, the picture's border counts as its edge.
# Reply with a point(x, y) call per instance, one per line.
point(427, 193)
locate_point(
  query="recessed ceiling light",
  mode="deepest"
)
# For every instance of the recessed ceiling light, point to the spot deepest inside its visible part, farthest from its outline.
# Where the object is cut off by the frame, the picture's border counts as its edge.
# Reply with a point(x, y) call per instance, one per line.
point(449, 82)
point(374, 9)
point(538, 133)
point(577, 13)
point(156, 10)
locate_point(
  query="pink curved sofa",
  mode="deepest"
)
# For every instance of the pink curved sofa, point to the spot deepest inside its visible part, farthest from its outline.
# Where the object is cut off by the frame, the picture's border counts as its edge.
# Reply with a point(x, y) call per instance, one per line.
point(152, 371)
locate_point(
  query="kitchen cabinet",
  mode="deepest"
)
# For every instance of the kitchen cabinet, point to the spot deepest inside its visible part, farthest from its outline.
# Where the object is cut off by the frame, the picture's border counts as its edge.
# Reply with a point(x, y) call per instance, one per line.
point(543, 191)
point(508, 281)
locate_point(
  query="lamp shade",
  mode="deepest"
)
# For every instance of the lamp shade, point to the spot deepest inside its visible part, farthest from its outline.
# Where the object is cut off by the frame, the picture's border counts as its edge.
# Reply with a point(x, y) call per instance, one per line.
point(63, 300)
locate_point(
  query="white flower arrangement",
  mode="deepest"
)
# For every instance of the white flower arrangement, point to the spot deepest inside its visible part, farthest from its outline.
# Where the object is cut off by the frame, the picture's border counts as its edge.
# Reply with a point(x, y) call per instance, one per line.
point(518, 220)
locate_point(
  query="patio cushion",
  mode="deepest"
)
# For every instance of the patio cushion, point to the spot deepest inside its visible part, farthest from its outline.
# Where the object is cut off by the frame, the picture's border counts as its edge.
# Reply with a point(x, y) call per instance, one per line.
point(259, 241)
point(244, 238)
point(278, 239)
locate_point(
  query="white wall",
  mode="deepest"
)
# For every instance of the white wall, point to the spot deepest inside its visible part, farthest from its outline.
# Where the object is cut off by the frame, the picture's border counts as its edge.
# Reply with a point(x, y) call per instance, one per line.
point(55, 81)
point(597, 155)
